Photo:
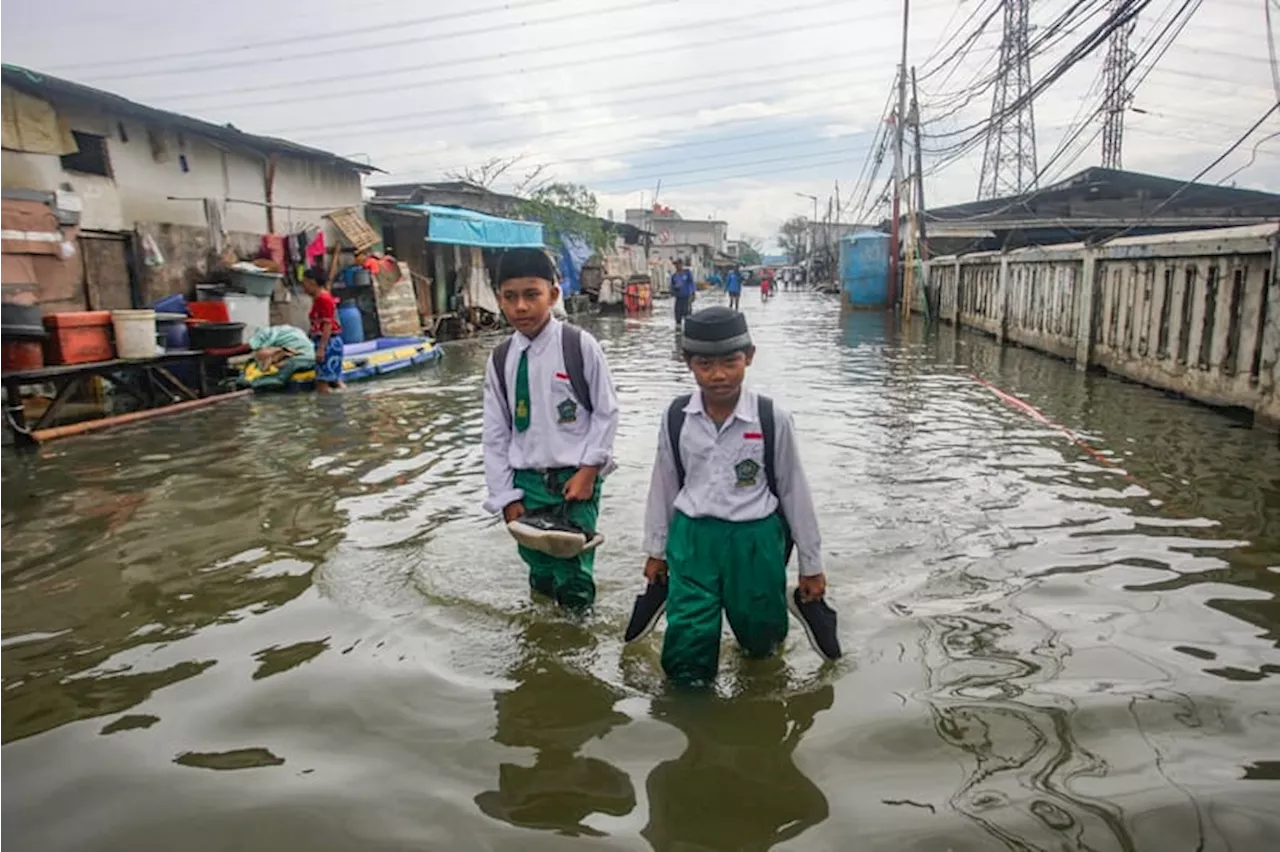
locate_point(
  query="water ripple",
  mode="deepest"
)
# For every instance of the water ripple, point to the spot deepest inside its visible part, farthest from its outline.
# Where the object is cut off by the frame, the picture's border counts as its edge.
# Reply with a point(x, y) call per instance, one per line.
point(1054, 645)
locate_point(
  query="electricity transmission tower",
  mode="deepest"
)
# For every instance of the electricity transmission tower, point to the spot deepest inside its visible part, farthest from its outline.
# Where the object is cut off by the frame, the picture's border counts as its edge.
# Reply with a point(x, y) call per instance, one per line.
point(1009, 158)
point(1115, 77)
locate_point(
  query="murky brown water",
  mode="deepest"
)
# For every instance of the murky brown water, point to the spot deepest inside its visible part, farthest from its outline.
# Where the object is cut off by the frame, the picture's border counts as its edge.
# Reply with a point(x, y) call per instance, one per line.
point(288, 625)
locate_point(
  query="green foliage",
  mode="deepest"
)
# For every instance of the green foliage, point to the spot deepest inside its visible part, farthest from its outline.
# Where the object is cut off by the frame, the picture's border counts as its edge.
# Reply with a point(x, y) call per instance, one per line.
point(749, 254)
point(563, 209)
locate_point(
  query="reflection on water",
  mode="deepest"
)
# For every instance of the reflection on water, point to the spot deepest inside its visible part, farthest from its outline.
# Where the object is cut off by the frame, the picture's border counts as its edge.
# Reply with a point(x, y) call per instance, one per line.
point(736, 785)
point(556, 710)
point(289, 624)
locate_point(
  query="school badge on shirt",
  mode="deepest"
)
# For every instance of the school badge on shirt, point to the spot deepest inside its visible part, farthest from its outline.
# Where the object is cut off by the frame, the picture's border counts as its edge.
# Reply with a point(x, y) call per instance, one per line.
point(746, 470)
point(568, 411)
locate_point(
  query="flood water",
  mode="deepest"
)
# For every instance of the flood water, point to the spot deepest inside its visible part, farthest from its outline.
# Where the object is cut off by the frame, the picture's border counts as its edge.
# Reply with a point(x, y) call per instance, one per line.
point(287, 624)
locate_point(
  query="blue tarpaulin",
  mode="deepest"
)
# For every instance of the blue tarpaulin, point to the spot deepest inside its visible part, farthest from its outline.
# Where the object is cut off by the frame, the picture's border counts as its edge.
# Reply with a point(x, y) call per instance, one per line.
point(456, 226)
point(573, 256)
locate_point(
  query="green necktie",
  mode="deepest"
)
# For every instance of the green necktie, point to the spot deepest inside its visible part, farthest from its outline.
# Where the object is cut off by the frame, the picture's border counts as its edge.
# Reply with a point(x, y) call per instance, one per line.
point(522, 392)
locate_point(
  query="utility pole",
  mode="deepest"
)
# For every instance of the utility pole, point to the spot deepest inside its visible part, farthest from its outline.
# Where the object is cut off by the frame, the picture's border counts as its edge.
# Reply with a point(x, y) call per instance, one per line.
point(813, 243)
point(839, 238)
point(1115, 75)
point(899, 117)
point(1009, 158)
point(915, 122)
point(922, 237)
point(811, 238)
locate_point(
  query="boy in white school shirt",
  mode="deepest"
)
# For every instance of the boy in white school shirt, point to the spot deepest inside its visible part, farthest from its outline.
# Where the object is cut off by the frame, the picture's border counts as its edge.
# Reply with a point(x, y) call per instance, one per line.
point(727, 500)
point(548, 439)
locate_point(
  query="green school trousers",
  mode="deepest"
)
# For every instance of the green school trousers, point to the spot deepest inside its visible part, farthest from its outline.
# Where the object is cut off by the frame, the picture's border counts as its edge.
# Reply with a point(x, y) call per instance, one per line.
point(714, 565)
point(570, 582)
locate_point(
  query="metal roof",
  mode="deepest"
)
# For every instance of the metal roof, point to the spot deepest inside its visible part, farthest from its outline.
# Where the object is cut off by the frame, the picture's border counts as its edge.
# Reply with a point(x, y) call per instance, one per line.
point(1098, 197)
point(48, 87)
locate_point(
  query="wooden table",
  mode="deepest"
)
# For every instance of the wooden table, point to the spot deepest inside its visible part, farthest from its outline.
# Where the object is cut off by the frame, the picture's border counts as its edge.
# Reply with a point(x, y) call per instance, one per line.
point(149, 380)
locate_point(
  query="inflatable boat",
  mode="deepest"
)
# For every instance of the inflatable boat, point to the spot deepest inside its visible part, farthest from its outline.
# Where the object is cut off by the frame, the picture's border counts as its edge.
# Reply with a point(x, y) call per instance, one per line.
point(365, 360)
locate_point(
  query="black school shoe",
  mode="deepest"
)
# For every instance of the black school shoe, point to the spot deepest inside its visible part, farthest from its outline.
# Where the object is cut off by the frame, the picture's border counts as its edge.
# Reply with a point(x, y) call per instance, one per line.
point(819, 621)
point(551, 532)
point(649, 607)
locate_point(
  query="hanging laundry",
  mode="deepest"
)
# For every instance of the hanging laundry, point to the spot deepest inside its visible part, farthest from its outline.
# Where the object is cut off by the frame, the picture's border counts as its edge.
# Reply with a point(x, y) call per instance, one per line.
point(315, 248)
point(273, 248)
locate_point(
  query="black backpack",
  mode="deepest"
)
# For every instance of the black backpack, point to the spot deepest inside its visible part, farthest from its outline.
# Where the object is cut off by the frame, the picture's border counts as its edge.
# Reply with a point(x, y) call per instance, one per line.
point(675, 425)
point(570, 348)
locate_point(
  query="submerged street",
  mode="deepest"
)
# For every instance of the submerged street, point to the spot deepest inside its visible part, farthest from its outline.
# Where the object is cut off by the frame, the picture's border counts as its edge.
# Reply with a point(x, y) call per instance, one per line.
point(288, 624)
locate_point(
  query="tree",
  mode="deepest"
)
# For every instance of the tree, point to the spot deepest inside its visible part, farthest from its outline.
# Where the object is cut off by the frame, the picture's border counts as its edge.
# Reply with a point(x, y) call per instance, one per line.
point(793, 238)
point(750, 251)
point(487, 172)
point(566, 209)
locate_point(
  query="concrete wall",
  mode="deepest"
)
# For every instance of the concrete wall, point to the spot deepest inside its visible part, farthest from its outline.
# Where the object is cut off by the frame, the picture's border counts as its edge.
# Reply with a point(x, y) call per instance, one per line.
point(680, 231)
point(1195, 313)
point(698, 258)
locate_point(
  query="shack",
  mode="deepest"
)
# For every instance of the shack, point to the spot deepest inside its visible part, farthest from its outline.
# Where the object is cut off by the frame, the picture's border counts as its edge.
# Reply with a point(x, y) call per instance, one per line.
point(118, 204)
point(451, 254)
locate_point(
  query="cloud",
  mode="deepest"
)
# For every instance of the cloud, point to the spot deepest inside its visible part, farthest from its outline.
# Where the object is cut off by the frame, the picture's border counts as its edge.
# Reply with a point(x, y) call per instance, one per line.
point(735, 109)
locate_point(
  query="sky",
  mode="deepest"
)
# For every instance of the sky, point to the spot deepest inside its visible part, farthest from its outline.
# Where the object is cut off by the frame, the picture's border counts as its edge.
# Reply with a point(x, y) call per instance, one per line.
point(735, 111)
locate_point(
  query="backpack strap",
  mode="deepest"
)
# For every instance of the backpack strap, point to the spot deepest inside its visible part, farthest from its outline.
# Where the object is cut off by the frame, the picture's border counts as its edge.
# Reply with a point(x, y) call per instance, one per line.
point(770, 431)
point(571, 349)
point(769, 428)
point(500, 370)
point(675, 424)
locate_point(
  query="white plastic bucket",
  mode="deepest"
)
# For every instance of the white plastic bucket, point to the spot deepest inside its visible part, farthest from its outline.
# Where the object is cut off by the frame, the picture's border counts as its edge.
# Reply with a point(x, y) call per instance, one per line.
point(135, 333)
point(253, 311)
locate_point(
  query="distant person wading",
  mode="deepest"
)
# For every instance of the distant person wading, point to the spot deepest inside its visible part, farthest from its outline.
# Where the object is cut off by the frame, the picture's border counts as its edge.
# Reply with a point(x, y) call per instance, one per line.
point(682, 289)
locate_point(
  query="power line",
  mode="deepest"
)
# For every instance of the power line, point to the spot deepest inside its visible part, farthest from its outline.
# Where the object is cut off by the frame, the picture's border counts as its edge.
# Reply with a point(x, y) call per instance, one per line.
point(576, 130)
point(310, 38)
point(1253, 156)
point(1158, 41)
point(1172, 196)
point(385, 43)
point(663, 173)
point(470, 115)
point(1271, 49)
point(1178, 20)
point(579, 62)
point(1115, 70)
point(770, 171)
point(960, 149)
point(946, 40)
point(877, 145)
point(1072, 58)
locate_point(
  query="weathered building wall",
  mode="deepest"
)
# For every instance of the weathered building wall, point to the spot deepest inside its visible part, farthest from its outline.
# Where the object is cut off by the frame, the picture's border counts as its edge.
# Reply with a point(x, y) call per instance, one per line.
point(711, 233)
point(1195, 313)
point(158, 182)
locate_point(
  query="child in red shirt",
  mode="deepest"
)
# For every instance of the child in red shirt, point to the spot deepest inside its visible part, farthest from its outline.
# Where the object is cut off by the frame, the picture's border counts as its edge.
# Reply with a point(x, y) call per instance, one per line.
point(326, 333)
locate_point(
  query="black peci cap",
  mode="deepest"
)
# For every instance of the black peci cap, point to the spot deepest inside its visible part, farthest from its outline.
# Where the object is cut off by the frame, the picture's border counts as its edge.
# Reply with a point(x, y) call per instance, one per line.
point(525, 263)
point(715, 331)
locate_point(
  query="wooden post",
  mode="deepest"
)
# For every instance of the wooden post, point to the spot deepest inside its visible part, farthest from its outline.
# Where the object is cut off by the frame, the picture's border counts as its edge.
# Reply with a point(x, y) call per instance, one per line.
point(1084, 322)
point(269, 191)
